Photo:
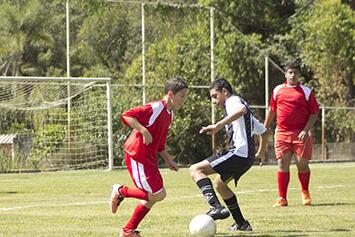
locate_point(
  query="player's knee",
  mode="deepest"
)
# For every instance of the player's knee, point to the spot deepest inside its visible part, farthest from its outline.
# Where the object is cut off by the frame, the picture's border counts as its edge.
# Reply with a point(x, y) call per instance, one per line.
point(284, 165)
point(193, 170)
point(161, 196)
point(157, 197)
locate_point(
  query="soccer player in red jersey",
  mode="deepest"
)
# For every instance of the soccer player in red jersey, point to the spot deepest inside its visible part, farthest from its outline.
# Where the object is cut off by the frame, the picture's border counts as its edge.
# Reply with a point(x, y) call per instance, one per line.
point(296, 111)
point(150, 125)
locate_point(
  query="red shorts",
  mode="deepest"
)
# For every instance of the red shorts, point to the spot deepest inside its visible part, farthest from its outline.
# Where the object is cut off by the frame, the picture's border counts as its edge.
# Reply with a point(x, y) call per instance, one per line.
point(289, 142)
point(145, 175)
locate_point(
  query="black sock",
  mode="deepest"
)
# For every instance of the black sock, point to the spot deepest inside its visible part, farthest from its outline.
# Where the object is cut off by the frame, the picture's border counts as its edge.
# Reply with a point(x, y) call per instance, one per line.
point(207, 190)
point(234, 209)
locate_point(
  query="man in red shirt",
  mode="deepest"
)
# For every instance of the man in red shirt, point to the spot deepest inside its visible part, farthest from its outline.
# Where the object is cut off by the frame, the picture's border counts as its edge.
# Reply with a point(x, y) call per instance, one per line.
point(150, 125)
point(296, 111)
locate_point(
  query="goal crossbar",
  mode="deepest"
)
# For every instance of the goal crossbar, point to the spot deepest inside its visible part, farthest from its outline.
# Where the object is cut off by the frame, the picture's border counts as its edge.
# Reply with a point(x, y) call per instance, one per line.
point(98, 79)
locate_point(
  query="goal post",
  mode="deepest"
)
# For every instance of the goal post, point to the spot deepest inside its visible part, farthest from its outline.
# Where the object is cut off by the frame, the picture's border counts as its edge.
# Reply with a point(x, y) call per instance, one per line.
point(56, 123)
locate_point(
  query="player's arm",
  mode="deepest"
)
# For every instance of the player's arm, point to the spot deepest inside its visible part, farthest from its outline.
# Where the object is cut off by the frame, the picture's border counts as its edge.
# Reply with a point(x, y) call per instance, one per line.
point(133, 123)
point(263, 138)
point(313, 108)
point(311, 121)
point(214, 128)
point(271, 113)
point(269, 118)
point(169, 160)
point(264, 134)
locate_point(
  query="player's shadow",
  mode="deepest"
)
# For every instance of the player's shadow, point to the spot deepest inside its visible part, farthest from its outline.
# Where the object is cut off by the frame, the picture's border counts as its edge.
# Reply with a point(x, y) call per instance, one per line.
point(288, 233)
point(255, 235)
point(9, 192)
point(340, 230)
point(333, 204)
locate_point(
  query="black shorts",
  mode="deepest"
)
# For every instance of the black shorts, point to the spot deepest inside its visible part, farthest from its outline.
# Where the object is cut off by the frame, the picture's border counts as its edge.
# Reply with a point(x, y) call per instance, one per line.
point(228, 165)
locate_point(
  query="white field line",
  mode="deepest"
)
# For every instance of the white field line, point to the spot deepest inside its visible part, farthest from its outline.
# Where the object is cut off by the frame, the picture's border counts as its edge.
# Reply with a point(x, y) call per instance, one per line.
point(51, 205)
point(3, 209)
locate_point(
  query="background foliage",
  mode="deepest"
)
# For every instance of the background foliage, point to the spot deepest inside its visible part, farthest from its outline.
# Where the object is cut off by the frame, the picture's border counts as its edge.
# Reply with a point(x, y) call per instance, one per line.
point(105, 41)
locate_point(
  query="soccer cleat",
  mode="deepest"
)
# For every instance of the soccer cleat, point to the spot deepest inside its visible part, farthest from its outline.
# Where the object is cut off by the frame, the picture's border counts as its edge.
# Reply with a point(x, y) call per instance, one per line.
point(218, 213)
point(281, 202)
point(306, 198)
point(244, 227)
point(116, 198)
point(129, 233)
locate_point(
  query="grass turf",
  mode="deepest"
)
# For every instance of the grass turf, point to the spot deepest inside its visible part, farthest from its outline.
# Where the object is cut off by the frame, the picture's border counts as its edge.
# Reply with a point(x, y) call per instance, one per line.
point(75, 203)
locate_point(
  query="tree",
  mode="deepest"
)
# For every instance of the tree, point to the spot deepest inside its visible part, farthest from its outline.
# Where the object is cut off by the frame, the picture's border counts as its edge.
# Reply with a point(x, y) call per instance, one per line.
point(179, 45)
point(328, 48)
point(254, 16)
point(28, 40)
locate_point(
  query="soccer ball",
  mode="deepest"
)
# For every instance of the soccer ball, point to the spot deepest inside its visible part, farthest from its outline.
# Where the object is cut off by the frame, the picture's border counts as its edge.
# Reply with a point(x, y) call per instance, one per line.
point(202, 226)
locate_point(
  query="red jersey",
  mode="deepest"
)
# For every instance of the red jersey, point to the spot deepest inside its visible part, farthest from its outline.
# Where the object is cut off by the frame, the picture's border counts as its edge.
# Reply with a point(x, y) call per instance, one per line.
point(293, 106)
point(157, 119)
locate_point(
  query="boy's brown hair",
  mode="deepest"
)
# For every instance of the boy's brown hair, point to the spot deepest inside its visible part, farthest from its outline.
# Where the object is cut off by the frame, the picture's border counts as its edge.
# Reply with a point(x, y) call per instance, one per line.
point(175, 85)
point(293, 65)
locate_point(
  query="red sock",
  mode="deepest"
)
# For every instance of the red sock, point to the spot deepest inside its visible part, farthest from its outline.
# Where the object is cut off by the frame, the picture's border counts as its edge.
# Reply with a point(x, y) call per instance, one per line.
point(134, 192)
point(304, 179)
point(283, 178)
point(137, 216)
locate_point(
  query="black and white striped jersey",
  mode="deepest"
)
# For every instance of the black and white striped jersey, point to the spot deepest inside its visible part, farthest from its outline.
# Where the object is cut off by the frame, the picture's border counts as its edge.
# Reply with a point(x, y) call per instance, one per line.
point(240, 132)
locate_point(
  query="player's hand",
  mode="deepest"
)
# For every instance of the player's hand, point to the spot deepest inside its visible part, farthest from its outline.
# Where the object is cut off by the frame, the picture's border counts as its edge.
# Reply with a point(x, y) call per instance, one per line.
point(172, 165)
point(210, 129)
point(303, 135)
point(269, 132)
point(147, 137)
point(261, 156)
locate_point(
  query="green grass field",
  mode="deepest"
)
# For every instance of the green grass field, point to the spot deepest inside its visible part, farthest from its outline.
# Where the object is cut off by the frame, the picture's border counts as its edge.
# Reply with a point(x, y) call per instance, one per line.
point(75, 203)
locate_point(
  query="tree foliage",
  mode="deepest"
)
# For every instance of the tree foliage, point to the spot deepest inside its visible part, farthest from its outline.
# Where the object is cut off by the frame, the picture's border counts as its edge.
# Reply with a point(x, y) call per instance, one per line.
point(332, 26)
point(28, 38)
point(105, 41)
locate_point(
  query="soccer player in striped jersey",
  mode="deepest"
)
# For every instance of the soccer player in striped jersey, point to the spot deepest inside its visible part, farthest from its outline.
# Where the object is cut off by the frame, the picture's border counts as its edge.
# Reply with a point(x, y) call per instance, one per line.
point(296, 111)
point(240, 125)
point(150, 124)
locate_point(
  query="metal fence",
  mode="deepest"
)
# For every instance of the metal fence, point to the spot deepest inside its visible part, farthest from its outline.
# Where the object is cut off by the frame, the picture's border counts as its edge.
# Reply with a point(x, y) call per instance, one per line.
point(333, 134)
point(329, 143)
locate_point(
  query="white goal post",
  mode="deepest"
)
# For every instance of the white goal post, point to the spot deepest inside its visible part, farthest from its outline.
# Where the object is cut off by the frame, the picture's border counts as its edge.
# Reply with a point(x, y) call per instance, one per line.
point(55, 123)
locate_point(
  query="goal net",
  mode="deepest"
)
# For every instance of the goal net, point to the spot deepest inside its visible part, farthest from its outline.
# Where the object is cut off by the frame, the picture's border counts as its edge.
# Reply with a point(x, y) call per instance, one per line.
point(54, 123)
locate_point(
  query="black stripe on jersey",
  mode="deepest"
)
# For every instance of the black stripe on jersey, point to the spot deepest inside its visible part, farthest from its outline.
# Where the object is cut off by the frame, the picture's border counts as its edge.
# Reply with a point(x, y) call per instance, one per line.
point(248, 128)
point(249, 124)
point(229, 132)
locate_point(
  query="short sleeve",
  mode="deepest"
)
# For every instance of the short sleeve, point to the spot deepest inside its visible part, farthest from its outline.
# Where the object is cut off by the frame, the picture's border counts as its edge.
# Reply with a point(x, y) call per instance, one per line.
point(313, 106)
point(273, 104)
point(232, 104)
point(141, 113)
point(258, 127)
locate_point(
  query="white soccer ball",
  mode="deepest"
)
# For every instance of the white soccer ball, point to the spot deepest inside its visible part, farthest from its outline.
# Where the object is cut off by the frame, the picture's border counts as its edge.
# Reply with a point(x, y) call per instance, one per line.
point(202, 226)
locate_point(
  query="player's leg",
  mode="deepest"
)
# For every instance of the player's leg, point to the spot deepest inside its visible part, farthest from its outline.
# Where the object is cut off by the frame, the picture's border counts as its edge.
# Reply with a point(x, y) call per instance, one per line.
point(119, 192)
point(283, 179)
point(201, 170)
point(234, 168)
point(303, 155)
point(141, 210)
point(230, 199)
point(199, 173)
point(149, 189)
point(283, 152)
